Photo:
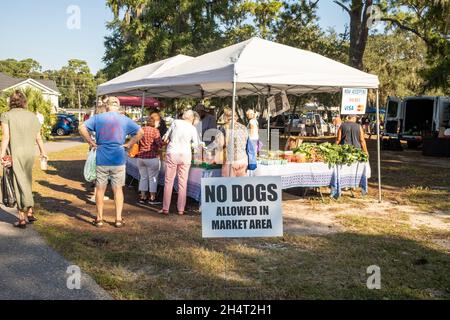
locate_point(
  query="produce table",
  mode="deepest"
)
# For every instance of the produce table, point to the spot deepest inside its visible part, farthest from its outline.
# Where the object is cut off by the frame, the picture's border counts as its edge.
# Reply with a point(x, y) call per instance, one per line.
point(293, 175)
point(319, 174)
point(194, 181)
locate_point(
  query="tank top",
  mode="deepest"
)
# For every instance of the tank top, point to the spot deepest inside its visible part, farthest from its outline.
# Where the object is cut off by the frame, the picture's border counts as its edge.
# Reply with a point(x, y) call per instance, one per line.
point(350, 134)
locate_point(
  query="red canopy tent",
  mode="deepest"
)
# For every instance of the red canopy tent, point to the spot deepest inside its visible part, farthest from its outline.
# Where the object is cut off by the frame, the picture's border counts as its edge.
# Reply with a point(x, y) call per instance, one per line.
point(137, 102)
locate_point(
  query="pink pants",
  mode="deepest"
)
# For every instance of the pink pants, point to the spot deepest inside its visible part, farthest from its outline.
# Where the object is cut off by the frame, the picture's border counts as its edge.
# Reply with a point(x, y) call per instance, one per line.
point(176, 165)
point(235, 169)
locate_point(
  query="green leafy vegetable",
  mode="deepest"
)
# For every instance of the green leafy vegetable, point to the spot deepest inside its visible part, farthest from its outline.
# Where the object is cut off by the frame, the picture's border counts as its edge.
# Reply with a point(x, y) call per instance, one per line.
point(332, 154)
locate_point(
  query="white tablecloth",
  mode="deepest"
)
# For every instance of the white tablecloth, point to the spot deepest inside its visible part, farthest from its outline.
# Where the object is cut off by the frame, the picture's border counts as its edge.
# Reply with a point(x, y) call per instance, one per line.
point(292, 175)
point(319, 175)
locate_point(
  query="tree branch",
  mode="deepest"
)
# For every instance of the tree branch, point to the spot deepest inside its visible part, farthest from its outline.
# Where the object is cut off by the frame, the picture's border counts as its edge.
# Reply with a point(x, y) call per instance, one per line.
point(342, 6)
point(406, 28)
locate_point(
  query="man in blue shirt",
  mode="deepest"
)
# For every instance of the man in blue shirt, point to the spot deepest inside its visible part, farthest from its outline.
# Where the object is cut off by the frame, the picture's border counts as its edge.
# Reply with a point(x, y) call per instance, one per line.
point(111, 129)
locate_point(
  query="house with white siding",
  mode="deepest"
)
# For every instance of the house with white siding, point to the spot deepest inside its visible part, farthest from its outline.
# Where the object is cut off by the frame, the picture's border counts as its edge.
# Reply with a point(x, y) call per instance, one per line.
point(49, 90)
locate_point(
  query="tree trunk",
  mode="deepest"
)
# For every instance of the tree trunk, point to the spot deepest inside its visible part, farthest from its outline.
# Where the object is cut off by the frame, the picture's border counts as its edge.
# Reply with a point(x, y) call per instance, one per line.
point(359, 30)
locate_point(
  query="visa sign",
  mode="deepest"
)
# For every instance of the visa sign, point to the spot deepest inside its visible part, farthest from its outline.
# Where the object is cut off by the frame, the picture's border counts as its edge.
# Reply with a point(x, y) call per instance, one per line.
point(354, 101)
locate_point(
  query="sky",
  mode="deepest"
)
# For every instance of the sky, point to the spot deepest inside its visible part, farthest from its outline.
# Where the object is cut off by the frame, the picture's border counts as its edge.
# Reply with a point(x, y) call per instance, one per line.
point(47, 30)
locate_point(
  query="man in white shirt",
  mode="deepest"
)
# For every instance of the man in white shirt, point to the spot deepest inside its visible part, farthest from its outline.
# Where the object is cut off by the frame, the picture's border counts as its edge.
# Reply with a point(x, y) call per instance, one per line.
point(207, 121)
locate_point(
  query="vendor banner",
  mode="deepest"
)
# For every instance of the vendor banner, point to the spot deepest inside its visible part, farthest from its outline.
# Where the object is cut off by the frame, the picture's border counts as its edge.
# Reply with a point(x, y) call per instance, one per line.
point(278, 104)
point(354, 101)
point(242, 207)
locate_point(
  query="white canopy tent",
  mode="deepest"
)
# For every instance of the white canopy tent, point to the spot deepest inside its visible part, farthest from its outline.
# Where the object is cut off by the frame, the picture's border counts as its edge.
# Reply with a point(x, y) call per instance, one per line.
point(252, 67)
point(121, 84)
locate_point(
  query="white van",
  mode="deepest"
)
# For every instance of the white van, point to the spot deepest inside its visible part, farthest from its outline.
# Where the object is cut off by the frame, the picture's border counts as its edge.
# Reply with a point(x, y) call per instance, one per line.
point(414, 118)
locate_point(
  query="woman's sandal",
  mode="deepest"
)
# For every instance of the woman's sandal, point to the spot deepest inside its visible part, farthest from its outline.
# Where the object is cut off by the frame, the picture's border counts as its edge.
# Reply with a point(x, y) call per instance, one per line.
point(30, 216)
point(181, 213)
point(119, 224)
point(22, 224)
point(97, 223)
point(164, 212)
point(32, 219)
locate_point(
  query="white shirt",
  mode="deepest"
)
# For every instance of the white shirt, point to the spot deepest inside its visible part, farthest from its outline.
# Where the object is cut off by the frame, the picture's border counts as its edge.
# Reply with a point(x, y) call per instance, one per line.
point(182, 136)
point(40, 117)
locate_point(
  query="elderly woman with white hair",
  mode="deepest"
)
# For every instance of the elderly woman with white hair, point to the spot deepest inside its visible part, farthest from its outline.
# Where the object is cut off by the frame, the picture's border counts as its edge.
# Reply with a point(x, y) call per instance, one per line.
point(181, 137)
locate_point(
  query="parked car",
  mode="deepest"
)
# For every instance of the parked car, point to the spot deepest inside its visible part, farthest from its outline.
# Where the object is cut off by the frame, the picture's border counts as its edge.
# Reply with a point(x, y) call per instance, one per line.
point(64, 125)
point(73, 118)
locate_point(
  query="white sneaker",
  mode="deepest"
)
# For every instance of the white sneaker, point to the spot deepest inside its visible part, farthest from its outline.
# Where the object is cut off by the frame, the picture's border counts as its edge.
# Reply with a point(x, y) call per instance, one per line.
point(92, 199)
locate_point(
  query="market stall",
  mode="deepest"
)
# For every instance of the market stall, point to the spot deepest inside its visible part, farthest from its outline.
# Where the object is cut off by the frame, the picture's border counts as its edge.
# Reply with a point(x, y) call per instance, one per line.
point(257, 67)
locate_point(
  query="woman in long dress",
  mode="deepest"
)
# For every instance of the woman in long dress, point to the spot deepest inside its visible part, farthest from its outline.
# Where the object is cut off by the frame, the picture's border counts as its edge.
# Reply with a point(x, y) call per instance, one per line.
point(20, 133)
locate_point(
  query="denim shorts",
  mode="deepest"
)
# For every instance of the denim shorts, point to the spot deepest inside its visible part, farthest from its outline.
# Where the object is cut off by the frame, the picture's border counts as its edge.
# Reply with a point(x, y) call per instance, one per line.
point(115, 174)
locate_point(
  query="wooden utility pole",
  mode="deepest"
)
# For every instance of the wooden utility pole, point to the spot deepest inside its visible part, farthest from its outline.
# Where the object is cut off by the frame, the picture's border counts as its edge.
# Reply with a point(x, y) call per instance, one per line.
point(79, 106)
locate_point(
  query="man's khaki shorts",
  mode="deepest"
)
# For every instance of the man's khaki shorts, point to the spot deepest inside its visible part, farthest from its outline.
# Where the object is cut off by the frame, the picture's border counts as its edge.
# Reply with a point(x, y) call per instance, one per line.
point(115, 174)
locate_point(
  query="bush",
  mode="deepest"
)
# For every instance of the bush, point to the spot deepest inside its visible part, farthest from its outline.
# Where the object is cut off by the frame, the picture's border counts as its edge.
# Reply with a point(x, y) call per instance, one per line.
point(36, 102)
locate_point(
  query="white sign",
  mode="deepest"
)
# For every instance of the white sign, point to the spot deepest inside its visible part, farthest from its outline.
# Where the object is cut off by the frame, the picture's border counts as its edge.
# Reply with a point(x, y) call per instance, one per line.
point(278, 104)
point(241, 207)
point(354, 101)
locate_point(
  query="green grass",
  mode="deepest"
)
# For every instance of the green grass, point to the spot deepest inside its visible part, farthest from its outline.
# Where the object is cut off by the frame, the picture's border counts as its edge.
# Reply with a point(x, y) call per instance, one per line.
point(150, 264)
point(166, 258)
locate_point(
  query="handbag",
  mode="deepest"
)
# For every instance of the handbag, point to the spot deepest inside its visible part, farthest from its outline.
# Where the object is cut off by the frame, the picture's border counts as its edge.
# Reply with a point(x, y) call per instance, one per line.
point(259, 146)
point(8, 193)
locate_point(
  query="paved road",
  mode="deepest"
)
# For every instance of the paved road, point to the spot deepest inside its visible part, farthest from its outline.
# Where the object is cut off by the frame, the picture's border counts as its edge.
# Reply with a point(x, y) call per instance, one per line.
point(30, 269)
point(60, 145)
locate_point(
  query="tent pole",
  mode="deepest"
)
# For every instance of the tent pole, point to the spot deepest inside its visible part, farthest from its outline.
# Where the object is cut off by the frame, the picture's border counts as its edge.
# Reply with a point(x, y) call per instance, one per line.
point(378, 146)
point(233, 114)
point(142, 107)
point(97, 97)
point(268, 122)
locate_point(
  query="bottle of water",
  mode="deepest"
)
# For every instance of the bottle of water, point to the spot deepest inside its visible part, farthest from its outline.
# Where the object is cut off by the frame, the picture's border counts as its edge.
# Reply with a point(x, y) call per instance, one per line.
point(44, 165)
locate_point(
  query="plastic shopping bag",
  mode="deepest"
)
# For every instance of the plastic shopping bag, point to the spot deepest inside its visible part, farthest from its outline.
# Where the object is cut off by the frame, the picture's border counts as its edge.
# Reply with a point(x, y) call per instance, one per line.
point(90, 167)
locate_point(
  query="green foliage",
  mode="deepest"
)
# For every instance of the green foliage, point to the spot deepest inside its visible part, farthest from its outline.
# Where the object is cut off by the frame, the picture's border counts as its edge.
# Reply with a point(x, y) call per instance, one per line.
point(70, 79)
point(332, 154)
point(298, 26)
point(264, 14)
point(148, 31)
point(73, 78)
point(36, 103)
point(20, 69)
point(397, 59)
point(428, 20)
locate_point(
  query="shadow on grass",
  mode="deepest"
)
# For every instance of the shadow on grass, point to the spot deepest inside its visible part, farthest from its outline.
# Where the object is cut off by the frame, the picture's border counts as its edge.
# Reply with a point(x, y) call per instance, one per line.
point(70, 169)
point(64, 206)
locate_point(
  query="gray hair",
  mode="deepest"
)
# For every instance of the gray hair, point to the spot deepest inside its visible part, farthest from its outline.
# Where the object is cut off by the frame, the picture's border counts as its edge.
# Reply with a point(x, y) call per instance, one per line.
point(113, 104)
point(189, 115)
